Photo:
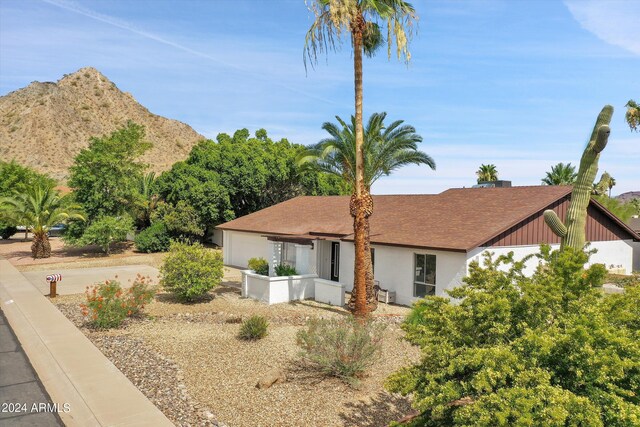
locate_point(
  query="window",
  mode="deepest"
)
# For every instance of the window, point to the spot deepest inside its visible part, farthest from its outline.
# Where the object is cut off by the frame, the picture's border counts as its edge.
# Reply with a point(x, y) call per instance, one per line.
point(424, 281)
point(373, 260)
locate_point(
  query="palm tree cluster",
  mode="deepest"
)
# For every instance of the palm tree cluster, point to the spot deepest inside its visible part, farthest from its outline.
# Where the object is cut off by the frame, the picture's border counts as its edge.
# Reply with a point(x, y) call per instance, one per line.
point(387, 148)
point(561, 174)
point(487, 173)
point(360, 20)
point(38, 208)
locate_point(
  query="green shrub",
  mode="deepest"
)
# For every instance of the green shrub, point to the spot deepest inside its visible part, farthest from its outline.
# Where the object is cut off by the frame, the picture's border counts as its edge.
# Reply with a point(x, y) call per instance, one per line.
point(342, 348)
point(154, 238)
point(254, 328)
point(106, 231)
point(507, 349)
point(183, 221)
point(259, 266)
point(190, 271)
point(7, 230)
point(73, 232)
point(108, 304)
point(285, 270)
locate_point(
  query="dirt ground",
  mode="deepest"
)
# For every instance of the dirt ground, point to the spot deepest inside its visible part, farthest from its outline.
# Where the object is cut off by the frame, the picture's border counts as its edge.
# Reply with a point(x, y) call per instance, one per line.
point(18, 252)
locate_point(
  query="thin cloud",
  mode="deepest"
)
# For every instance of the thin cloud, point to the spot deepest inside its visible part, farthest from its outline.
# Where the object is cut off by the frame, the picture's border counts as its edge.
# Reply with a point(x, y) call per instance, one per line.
point(613, 21)
point(75, 8)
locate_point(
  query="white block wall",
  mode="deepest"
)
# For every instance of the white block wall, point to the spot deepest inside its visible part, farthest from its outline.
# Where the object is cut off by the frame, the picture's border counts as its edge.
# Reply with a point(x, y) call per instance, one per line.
point(394, 269)
point(275, 290)
point(238, 247)
point(329, 292)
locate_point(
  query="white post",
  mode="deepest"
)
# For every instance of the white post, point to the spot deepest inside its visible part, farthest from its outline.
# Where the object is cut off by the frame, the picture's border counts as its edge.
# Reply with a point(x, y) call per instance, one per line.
point(302, 259)
point(274, 253)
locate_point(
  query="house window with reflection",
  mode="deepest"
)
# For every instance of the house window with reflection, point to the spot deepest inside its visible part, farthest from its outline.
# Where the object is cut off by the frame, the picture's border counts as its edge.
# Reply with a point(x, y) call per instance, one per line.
point(424, 281)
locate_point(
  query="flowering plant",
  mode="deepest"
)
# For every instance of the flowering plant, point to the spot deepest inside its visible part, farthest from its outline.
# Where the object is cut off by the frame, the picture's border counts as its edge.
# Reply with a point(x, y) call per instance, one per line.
point(108, 304)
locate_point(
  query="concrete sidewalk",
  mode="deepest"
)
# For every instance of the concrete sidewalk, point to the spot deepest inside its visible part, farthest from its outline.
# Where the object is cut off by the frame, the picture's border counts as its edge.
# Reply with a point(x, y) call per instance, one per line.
point(71, 368)
point(75, 280)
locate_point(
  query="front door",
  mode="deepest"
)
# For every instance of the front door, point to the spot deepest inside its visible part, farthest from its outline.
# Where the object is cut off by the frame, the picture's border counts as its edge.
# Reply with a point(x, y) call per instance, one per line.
point(335, 261)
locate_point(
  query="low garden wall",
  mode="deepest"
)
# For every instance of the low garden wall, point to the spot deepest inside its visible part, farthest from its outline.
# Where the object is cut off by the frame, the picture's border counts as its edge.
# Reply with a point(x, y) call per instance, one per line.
point(329, 292)
point(274, 290)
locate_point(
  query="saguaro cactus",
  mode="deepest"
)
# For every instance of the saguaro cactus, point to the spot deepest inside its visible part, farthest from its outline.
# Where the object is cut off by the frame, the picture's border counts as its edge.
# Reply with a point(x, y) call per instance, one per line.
point(572, 231)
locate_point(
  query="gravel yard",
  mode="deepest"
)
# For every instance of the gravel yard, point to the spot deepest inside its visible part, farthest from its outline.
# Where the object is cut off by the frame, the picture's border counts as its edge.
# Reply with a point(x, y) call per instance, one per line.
point(187, 359)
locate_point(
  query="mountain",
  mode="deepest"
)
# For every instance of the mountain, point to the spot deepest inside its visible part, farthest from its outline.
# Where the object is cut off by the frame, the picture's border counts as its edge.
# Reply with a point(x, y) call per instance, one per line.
point(44, 125)
point(628, 196)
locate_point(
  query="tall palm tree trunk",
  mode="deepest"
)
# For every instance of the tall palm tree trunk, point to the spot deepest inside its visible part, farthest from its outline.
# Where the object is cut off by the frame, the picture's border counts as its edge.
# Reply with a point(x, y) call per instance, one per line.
point(361, 204)
point(40, 248)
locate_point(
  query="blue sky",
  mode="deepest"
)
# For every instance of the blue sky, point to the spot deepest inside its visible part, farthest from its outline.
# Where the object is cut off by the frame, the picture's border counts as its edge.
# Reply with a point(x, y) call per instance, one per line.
point(513, 83)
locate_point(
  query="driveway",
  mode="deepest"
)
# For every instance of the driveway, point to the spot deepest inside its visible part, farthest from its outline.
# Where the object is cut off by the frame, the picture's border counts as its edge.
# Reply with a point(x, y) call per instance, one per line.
point(75, 280)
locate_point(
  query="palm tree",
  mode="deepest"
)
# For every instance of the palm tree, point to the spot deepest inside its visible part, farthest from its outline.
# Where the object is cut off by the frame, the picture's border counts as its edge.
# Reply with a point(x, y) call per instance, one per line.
point(146, 201)
point(386, 148)
point(359, 19)
point(487, 173)
point(561, 174)
point(632, 116)
point(38, 208)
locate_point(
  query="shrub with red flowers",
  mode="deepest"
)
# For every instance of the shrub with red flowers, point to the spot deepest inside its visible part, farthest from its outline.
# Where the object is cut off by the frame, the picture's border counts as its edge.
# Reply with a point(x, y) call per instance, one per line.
point(108, 304)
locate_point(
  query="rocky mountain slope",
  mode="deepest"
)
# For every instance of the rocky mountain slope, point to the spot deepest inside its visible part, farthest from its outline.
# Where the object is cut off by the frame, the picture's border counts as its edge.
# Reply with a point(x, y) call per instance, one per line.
point(628, 196)
point(44, 125)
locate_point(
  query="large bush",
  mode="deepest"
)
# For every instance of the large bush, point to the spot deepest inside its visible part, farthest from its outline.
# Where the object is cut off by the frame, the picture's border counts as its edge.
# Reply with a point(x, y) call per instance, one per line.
point(550, 350)
point(184, 222)
point(342, 348)
point(154, 238)
point(190, 271)
point(106, 231)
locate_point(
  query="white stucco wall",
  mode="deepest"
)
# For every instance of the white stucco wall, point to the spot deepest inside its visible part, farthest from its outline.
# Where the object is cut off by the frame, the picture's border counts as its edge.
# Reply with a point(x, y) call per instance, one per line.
point(238, 247)
point(394, 269)
point(329, 292)
point(275, 290)
point(616, 253)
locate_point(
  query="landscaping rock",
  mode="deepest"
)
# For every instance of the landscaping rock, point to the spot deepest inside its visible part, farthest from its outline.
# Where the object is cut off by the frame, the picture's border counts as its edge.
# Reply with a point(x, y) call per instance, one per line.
point(273, 376)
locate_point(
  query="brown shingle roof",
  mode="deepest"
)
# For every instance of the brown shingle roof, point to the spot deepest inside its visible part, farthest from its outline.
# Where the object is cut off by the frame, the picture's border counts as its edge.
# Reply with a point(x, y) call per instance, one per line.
point(456, 220)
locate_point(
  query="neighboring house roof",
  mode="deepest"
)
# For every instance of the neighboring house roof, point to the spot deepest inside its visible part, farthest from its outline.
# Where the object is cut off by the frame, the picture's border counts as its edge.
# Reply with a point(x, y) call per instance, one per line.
point(455, 220)
point(634, 223)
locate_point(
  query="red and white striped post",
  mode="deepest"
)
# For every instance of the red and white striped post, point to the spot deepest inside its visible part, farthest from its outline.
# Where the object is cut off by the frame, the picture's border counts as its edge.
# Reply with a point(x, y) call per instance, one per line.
point(53, 280)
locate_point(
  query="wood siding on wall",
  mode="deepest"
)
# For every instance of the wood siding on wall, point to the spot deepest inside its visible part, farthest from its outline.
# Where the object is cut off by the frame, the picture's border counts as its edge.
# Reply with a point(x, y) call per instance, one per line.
point(534, 231)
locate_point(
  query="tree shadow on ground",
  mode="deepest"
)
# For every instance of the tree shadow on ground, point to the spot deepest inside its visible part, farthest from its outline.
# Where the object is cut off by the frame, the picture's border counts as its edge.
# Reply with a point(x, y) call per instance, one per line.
point(320, 306)
point(227, 288)
point(169, 298)
point(378, 411)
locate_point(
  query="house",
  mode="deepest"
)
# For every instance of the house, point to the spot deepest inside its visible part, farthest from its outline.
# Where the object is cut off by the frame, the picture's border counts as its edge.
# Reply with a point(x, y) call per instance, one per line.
point(421, 244)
